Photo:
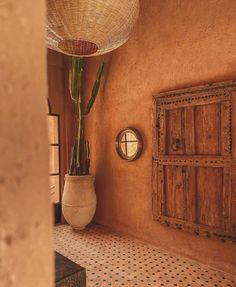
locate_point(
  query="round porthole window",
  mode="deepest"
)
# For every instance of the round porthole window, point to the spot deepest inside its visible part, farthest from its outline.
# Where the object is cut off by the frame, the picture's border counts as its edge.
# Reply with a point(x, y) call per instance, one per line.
point(129, 144)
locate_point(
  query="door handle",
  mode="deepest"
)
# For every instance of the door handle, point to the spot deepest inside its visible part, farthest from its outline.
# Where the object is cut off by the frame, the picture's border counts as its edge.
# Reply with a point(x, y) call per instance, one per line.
point(176, 144)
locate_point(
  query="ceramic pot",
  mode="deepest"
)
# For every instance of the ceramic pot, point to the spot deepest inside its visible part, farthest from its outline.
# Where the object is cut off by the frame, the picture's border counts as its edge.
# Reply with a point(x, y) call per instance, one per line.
point(79, 200)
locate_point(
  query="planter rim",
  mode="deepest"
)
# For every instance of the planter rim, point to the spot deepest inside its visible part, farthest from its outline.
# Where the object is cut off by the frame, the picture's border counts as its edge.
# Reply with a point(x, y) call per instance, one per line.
point(82, 177)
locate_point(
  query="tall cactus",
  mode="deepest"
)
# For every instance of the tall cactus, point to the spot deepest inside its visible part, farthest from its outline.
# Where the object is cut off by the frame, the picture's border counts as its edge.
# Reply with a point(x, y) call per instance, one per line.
point(80, 152)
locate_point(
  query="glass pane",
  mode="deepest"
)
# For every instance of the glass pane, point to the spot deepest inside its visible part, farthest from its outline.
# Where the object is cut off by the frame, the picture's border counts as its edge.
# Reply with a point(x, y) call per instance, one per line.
point(132, 148)
point(123, 148)
point(54, 159)
point(53, 129)
point(131, 137)
point(123, 139)
point(54, 188)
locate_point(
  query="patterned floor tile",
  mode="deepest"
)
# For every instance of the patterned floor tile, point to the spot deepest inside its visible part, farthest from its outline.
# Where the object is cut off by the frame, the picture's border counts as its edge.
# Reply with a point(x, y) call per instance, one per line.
point(116, 261)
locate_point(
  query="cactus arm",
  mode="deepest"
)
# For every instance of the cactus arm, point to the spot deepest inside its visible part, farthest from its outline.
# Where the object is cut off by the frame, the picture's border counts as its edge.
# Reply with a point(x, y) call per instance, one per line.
point(87, 157)
point(72, 170)
point(73, 82)
point(95, 89)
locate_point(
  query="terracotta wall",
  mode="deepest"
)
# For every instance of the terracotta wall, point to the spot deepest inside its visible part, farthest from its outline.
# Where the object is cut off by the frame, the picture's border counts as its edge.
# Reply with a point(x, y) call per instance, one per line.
point(26, 252)
point(176, 44)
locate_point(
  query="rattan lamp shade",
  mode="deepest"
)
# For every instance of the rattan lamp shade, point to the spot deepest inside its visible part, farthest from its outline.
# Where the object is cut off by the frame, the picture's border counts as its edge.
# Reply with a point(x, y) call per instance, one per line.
point(89, 27)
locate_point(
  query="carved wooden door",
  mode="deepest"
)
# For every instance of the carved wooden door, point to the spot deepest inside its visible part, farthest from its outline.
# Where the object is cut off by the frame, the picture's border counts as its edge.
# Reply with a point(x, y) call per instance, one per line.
point(192, 160)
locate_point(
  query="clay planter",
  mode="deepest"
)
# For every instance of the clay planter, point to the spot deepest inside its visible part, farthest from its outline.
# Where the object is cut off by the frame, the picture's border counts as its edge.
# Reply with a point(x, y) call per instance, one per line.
point(79, 200)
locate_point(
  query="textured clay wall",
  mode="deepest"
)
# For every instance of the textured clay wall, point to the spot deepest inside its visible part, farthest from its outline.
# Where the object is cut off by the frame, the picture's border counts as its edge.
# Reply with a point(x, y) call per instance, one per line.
point(175, 44)
point(26, 253)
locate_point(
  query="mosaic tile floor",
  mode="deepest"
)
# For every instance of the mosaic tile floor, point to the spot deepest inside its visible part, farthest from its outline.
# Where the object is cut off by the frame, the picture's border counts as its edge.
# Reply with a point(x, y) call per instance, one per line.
point(113, 260)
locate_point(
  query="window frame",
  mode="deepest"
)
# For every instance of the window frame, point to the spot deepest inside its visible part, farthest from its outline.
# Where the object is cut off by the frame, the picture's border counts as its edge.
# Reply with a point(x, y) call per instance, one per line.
point(57, 206)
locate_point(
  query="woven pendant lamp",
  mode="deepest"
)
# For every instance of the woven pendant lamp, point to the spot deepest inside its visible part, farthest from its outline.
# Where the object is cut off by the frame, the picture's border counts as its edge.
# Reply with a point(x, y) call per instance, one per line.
point(89, 27)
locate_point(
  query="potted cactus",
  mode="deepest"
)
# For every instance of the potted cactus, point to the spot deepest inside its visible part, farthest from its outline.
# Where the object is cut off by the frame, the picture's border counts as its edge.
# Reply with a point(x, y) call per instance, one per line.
point(79, 198)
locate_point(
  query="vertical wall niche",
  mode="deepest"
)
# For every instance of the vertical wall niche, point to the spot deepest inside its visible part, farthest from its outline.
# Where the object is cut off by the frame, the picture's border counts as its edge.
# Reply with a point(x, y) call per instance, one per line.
point(194, 160)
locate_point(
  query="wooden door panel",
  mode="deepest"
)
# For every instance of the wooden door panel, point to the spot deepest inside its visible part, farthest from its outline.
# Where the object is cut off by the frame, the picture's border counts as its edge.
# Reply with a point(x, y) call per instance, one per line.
point(233, 174)
point(191, 194)
point(233, 200)
point(174, 132)
point(195, 160)
point(209, 196)
point(233, 108)
point(207, 129)
point(175, 195)
point(189, 130)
